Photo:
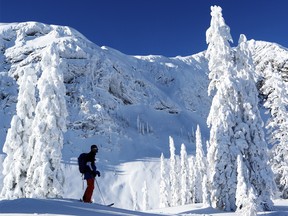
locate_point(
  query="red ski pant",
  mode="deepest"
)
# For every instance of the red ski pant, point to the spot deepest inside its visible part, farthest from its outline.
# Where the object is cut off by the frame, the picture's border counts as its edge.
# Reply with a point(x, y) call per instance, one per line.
point(89, 190)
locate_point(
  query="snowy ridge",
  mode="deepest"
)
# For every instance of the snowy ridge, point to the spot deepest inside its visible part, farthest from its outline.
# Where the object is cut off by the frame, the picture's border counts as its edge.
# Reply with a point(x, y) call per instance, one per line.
point(128, 105)
point(264, 52)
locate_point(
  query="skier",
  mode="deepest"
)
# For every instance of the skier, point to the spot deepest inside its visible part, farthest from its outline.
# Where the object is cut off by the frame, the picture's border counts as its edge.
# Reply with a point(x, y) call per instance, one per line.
point(87, 166)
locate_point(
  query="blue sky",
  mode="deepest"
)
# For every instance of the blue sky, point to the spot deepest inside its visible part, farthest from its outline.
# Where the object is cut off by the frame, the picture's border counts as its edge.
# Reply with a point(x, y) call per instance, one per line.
point(160, 27)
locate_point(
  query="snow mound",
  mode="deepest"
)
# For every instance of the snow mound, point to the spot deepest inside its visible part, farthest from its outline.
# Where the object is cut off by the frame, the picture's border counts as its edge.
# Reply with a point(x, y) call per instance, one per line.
point(60, 207)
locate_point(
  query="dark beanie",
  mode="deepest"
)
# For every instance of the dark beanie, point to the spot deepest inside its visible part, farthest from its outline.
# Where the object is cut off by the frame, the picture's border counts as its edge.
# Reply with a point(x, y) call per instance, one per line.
point(94, 147)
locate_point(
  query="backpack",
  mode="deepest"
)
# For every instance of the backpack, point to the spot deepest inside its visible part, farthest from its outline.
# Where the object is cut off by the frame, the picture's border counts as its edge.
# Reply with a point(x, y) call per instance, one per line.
point(82, 162)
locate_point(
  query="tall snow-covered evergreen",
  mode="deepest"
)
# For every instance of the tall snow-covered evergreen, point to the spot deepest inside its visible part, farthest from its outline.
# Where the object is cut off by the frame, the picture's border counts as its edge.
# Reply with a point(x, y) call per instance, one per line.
point(218, 52)
point(245, 197)
point(192, 183)
point(249, 131)
point(174, 182)
point(221, 120)
point(163, 187)
point(16, 145)
point(206, 195)
point(275, 88)
point(45, 177)
point(200, 167)
point(184, 176)
point(235, 121)
point(145, 205)
point(13, 171)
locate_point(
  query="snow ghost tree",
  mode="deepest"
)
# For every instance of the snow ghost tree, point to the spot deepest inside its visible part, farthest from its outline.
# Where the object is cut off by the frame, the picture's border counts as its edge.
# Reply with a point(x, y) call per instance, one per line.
point(192, 183)
point(163, 190)
point(200, 167)
point(45, 177)
point(275, 88)
point(184, 176)
point(218, 52)
point(245, 196)
point(221, 120)
point(249, 130)
point(235, 121)
point(16, 145)
point(174, 183)
point(206, 195)
point(145, 197)
point(12, 180)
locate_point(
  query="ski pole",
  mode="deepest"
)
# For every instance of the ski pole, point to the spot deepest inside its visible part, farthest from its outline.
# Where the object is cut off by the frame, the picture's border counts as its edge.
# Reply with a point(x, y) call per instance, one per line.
point(82, 182)
point(100, 192)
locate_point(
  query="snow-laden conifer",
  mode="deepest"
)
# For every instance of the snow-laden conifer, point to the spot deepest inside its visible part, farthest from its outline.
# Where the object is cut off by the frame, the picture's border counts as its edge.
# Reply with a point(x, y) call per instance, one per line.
point(218, 52)
point(16, 145)
point(200, 167)
point(221, 120)
point(245, 198)
point(134, 200)
point(45, 177)
point(206, 194)
point(249, 131)
point(145, 205)
point(184, 176)
point(163, 190)
point(275, 88)
point(192, 183)
point(206, 184)
point(13, 171)
point(174, 180)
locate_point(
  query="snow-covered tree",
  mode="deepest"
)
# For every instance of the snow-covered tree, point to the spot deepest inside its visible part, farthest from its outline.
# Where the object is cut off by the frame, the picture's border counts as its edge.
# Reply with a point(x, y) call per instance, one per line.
point(200, 167)
point(174, 182)
point(145, 205)
point(235, 121)
point(45, 177)
point(245, 198)
point(206, 184)
point(163, 190)
point(13, 171)
point(275, 88)
point(221, 119)
point(134, 200)
point(16, 145)
point(206, 194)
point(184, 176)
point(192, 183)
point(218, 51)
point(249, 132)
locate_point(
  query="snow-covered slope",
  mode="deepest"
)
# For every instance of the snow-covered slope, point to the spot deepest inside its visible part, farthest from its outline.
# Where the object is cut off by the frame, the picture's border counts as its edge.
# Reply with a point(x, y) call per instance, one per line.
point(128, 105)
point(66, 207)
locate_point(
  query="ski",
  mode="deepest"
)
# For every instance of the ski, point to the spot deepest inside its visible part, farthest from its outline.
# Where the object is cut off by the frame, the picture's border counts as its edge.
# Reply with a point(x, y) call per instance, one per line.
point(109, 205)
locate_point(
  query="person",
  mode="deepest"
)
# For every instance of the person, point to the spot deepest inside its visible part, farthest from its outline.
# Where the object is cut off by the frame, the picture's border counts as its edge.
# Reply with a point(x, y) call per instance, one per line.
point(90, 172)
